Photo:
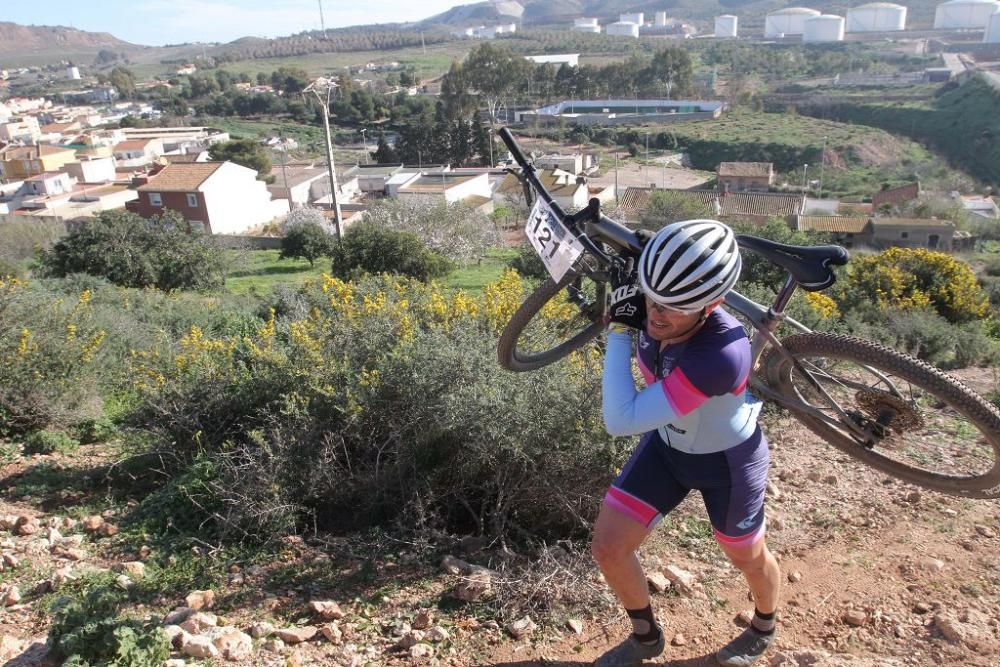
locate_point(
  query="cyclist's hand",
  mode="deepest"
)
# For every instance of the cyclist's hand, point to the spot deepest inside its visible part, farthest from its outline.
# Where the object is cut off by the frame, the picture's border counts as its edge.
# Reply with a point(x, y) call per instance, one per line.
point(627, 304)
point(644, 235)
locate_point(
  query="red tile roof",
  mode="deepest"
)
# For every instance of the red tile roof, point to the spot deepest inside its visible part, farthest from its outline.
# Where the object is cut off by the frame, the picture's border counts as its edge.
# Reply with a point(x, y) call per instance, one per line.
point(745, 169)
point(181, 177)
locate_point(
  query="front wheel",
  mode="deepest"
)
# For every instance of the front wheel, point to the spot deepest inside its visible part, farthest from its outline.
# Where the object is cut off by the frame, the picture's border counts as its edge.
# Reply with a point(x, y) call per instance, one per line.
point(555, 320)
point(897, 414)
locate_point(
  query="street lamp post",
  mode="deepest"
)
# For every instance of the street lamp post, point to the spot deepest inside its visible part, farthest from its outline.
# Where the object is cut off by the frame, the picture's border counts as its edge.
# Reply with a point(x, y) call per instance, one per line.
point(327, 86)
point(364, 142)
point(804, 167)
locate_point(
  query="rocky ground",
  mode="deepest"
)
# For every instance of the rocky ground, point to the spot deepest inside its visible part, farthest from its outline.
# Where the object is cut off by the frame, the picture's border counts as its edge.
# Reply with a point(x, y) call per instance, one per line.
point(876, 573)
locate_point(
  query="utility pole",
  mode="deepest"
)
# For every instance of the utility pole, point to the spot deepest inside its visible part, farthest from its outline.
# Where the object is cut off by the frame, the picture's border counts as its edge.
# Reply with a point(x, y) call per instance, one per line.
point(325, 103)
point(489, 137)
point(284, 170)
point(364, 142)
point(822, 164)
point(322, 23)
point(616, 177)
point(647, 156)
point(804, 167)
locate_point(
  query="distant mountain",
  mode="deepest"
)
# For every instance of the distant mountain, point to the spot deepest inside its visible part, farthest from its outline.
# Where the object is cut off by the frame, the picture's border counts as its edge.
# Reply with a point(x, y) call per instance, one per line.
point(20, 40)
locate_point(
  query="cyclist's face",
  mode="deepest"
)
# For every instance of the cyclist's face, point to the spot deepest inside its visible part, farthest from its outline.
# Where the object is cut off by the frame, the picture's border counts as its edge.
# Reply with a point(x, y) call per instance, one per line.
point(665, 323)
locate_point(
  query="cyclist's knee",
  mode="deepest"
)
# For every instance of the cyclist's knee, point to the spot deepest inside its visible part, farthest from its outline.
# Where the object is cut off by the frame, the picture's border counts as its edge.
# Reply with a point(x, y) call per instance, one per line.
point(607, 550)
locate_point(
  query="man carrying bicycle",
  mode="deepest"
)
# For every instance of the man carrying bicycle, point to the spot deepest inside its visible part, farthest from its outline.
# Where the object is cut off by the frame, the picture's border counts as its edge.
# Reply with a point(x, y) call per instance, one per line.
point(699, 429)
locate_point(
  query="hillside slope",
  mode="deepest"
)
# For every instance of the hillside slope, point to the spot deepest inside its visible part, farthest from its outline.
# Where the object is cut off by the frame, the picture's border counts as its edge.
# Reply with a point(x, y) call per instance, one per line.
point(18, 39)
point(962, 123)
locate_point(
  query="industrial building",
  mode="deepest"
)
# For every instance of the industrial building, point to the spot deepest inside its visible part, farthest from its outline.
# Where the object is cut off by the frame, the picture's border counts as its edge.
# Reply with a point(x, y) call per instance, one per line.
point(992, 34)
point(622, 29)
point(965, 14)
point(876, 17)
point(586, 25)
point(823, 28)
point(622, 112)
point(788, 21)
point(726, 26)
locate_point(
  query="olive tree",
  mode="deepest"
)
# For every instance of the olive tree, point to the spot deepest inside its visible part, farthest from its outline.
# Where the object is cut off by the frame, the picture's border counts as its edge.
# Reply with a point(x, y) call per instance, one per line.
point(455, 230)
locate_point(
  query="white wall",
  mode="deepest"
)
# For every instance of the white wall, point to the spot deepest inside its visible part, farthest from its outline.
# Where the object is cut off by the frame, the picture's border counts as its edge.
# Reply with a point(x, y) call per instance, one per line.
point(237, 201)
point(100, 170)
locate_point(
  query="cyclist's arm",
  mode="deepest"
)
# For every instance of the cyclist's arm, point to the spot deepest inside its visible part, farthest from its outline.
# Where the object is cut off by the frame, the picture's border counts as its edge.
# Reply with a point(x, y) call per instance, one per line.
point(626, 410)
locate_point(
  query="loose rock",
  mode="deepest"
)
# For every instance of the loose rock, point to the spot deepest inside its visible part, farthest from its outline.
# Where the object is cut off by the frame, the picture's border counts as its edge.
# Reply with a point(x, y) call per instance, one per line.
point(326, 609)
point(913, 496)
point(453, 565)
point(855, 617)
point(200, 599)
point(175, 634)
point(107, 530)
point(92, 523)
point(234, 645)
point(794, 576)
point(930, 564)
point(521, 627)
point(411, 638)
point(682, 579)
point(576, 625)
point(133, 568)
point(678, 640)
point(985, 531)
point(421, 651)
point(657, 582)
point(297, 635)
point(178, 616)
point(198, 647)
point(11, 561)
point(422, 620)
point(26, 525)
point(261, 629)
point(332, 632)
point(438, 634)
point(11, 596)
point(475, 586)
point(200, 621)
point(273, 645)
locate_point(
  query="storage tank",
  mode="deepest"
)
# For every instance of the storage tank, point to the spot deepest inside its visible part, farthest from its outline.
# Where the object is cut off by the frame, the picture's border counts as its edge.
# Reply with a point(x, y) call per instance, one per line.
point(622, 29)
point(824, 28)
point(631, 18)
point(726, 25)
point(876, 17)
point(789, 21)
point(992, 35)
point(964, 14)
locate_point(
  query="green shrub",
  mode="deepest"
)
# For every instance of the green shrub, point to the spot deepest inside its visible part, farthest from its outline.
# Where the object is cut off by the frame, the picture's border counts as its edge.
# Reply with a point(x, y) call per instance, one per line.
point(367, 248)
point(10, 268)
point(528, 263)
point(132, 252)
point(98, 429)
point(49, 442)
point(89, 632)
point(307, 240)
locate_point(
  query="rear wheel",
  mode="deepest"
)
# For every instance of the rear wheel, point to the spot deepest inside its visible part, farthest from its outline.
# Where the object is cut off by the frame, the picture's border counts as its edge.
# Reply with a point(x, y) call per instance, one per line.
point(555, 320)
point(903, 416)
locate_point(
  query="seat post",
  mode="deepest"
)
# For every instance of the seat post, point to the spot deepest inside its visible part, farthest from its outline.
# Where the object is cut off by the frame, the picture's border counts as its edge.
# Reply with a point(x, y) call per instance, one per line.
point(784, 296)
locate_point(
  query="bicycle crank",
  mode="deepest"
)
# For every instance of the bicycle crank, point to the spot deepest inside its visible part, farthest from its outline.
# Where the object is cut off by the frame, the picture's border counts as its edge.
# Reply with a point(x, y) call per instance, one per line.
point(888, 413)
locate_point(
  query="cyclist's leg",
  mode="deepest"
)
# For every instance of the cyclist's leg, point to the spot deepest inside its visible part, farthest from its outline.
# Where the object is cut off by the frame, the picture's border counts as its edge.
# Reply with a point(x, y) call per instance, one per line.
point(637, 500)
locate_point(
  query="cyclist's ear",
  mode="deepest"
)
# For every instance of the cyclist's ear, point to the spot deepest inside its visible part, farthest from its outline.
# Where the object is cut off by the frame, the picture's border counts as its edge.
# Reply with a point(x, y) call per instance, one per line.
point(715, 304)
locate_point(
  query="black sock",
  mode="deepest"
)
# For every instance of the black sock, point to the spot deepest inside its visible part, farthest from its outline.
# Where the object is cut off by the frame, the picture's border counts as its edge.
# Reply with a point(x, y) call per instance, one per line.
point(645, 629)
point(763, 623)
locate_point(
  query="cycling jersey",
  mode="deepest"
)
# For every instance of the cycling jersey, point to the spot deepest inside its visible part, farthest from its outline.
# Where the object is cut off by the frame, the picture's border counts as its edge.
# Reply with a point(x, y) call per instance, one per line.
point(700, 424)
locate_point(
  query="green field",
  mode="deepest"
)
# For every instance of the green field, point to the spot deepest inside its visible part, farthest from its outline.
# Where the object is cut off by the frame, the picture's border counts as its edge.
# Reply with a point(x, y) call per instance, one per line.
point(260, 271)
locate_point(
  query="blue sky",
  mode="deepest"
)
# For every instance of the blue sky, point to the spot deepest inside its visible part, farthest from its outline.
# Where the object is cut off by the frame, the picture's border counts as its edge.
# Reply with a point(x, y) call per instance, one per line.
point(157, 22)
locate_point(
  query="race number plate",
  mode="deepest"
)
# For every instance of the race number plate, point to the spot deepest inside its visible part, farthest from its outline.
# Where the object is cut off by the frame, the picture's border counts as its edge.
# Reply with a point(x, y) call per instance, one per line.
point(557, 247)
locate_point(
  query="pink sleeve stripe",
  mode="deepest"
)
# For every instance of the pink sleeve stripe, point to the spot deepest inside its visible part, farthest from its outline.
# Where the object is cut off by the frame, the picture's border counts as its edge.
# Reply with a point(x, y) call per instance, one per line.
point(684, 397)
point(630, 506)
point(743, 540)
point(647, 374)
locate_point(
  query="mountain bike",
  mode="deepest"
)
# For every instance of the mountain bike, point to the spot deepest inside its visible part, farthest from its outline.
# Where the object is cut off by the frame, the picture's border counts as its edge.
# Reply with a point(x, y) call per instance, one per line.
point(885, 408)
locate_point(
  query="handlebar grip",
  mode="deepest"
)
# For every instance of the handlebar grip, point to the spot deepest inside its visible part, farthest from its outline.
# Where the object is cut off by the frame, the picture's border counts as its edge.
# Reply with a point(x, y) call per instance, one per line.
point(512, 146)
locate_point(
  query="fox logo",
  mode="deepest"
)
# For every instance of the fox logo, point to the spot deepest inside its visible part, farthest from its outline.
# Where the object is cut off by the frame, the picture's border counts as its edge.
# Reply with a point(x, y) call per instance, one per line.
point(627, 310)
point(624, 292)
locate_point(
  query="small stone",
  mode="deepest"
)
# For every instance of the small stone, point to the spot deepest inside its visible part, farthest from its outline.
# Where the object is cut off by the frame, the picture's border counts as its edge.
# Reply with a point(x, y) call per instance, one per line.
point(930, 564)
point(198, 647)
point(657, 581)
point(438, 634)
point(178, 616)
point(199, 621)
point(794, 576)
point(200, 599)
point(949, 627)
point(985, 531)
point(261, 629)
point(775, 523)
point(326, 609)
point(54, 535)
point(144, 552)
point(273, 645)
point(576, 625)
point(422, 620)
point(744, 617)
point(855, 617)
point(92, 523)
point(107, 530)
point(26, 525)
point(61, 576)
point(421, 651)
point(124, 582)
point(913, 496)
point(11, 561)
point(453, 565)
point(74, 554)
point(134, 568)
point(522, 627)
point(922, 608)
point(773, 492)
point(830, 479)
point(683, 580)
point(7, 522)
point(11, 596)
point(475, 586)
point(295, 659)
point(175, 635)
point(234, 645)
point(332, 632)
point(297, 635)
point(678, 640)
point(411, 638)
point(175, 662)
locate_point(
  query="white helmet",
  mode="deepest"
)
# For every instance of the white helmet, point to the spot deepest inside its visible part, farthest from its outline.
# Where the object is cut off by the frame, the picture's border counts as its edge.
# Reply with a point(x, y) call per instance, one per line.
point(688, 265)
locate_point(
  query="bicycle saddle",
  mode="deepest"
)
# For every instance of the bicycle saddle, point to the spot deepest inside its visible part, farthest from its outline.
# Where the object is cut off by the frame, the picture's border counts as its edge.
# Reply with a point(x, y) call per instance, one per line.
point(809, 265)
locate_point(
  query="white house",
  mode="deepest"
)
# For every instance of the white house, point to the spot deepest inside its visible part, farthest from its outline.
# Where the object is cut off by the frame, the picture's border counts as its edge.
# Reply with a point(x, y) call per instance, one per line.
point(471, 188)
point(92, 170)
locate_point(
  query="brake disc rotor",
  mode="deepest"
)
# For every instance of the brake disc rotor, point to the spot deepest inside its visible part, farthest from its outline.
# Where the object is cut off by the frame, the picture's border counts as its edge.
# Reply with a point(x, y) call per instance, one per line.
point(878, 405)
